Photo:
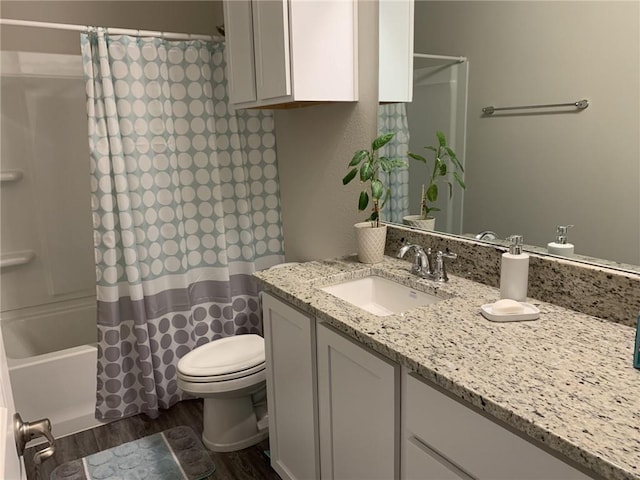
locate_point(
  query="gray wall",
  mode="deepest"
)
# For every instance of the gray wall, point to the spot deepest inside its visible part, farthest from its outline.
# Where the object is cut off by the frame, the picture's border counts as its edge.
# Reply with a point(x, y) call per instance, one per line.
point(528, 173)
point(315, 145)
point(176, 16)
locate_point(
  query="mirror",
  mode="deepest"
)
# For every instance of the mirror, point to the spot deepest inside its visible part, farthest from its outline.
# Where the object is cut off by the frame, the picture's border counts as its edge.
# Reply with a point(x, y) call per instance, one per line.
point(529, 170)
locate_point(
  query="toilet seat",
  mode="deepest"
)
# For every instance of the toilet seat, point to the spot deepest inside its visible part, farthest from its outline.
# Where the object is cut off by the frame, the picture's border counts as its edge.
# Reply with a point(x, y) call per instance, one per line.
point(225, 359)
point(222, 378)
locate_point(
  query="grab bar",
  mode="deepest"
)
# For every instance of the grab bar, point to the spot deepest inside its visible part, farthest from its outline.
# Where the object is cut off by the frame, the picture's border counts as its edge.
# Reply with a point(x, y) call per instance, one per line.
point(16, 258)
point(10, 176)
point(580, 105)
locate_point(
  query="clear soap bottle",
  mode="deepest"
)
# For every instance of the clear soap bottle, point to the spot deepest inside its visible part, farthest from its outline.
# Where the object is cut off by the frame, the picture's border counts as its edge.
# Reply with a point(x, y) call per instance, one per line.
point(514, 271)
point(561, 246)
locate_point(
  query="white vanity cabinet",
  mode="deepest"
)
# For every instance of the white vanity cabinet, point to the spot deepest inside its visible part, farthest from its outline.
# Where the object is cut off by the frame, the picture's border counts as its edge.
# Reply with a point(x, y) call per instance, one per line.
point(444, 439)
point(358, 393)
point(338, 410)
point(281, 52)
point(290, 347)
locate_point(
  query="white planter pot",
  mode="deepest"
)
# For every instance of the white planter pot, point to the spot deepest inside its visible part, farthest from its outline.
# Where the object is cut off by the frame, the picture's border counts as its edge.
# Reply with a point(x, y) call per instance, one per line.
point(417, 221)
point(371, 241)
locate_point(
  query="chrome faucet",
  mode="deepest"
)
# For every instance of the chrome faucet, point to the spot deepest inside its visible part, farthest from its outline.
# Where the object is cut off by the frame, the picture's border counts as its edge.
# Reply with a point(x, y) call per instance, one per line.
point(487, 235)
point(423, 264)
point(422, 261)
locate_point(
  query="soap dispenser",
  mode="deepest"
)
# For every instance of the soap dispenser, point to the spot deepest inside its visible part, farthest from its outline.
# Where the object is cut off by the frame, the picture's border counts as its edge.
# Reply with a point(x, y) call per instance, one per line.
point(514, 271)
point(561, 246)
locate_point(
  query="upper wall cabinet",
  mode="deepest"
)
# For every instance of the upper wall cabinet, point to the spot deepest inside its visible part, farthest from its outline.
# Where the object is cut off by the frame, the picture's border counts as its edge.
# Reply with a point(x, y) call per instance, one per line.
point(395, 61)
point(280, 52)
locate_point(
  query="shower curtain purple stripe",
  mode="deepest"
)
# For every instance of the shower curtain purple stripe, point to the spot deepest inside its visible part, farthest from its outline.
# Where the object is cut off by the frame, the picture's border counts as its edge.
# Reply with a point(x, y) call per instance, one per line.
point(178, 299)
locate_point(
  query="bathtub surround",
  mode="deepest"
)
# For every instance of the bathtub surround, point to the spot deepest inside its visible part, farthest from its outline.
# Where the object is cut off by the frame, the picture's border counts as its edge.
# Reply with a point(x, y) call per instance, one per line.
point(603, 292)
point(185, 207)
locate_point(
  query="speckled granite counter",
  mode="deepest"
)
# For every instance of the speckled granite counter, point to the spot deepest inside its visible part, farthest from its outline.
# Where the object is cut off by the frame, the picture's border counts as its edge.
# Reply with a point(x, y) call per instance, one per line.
point(566, 379)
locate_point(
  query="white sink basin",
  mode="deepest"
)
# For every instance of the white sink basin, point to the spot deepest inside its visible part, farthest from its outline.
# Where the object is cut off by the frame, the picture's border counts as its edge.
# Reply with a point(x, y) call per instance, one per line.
point(380, 296)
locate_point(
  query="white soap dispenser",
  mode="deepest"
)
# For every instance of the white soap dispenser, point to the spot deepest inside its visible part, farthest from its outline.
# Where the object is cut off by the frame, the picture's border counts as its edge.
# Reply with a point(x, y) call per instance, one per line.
point(514, 271)
point(561, 246)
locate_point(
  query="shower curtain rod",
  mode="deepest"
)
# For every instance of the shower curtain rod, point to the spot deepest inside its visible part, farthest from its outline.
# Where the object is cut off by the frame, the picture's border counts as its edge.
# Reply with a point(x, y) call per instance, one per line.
point(113, 31)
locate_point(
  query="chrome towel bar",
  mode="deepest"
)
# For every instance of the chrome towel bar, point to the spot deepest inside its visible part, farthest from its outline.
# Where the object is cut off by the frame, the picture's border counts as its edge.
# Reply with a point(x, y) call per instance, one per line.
point(580, 105)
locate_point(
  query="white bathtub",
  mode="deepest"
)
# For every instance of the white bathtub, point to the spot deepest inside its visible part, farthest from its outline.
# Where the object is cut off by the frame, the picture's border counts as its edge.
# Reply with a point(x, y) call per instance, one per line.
point(52, 354)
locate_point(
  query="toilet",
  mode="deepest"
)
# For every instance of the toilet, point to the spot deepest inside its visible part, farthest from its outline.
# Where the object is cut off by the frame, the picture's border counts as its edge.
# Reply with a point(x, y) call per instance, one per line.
point(229, 374)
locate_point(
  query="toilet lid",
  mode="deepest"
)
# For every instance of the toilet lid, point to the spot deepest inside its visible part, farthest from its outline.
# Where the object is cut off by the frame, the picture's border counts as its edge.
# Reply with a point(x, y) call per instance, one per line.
point(223, 356)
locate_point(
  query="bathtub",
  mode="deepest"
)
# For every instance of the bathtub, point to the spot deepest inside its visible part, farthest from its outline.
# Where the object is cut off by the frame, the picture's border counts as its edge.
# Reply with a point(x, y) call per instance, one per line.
point(52, 354)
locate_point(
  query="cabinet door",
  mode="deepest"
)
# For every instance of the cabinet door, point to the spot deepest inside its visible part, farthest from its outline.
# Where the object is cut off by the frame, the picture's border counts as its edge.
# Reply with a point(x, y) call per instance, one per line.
point(240, 54)
point(358, 410)
point(273, 65)
point(291, 390)
point(395, 61)
point(470, 444)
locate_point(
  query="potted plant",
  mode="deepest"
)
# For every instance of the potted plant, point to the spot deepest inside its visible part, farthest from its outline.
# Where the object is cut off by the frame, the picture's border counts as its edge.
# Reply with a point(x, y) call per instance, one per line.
point(366, 164)
point(445, 162)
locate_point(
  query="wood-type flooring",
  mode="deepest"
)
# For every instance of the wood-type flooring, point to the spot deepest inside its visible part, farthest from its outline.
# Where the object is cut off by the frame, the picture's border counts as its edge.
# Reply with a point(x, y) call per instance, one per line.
point(248, 464)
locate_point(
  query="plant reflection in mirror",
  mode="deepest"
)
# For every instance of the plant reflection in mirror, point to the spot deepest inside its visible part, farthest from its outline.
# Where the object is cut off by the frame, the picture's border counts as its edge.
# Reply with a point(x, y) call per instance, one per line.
point(445, 161)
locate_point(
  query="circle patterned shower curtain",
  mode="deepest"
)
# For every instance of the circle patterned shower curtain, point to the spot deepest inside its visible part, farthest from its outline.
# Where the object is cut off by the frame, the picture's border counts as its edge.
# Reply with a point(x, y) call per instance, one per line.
point(185, 206)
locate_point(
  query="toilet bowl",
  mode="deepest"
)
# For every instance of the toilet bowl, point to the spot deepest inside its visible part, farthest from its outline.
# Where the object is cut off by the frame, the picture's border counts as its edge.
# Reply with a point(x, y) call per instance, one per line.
point(229, 374)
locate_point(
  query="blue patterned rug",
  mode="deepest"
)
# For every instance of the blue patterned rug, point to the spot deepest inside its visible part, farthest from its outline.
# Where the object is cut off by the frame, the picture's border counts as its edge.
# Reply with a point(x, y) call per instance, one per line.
point(175, 454)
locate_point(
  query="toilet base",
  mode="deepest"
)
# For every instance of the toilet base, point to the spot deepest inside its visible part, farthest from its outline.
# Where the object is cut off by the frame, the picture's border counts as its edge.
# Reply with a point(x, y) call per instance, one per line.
point(230, 424)
point(232, 447)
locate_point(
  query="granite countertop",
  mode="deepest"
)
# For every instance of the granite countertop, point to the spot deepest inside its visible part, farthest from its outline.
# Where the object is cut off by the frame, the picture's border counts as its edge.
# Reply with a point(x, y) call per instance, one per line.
point(566, 379)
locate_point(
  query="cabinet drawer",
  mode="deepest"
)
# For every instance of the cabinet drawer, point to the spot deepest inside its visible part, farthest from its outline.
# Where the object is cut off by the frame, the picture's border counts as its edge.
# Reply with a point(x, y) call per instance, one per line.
point(474, 445)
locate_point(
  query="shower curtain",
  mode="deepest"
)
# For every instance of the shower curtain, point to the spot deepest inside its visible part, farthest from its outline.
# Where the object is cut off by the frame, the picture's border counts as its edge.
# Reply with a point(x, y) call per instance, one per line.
point(185, 208)
point(392, 117)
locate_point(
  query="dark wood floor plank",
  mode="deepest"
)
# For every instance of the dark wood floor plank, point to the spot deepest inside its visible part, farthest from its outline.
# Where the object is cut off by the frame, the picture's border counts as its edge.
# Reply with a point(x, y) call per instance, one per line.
point(67, 449)
point(247, 464)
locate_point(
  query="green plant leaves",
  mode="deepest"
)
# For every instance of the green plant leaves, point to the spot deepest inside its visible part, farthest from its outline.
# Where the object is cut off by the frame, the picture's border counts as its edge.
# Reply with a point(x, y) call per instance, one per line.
point(390, 164)
point(357, 157)
point(363, 201)
point(385, 164)
point(366, 171)
point(381, 141)
point(367, 165)
point(459, 180)
point(442, 167)
point(349, 176)
point(415, 156)
point(397, 163)
point(377, 189)
point(432, 192)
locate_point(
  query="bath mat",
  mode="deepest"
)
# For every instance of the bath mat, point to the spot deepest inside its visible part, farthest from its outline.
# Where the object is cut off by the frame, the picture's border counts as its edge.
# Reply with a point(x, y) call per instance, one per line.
point(175, 454)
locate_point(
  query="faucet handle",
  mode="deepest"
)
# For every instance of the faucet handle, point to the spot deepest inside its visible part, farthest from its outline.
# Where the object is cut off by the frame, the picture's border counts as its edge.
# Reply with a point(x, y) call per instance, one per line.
point(440, 272)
